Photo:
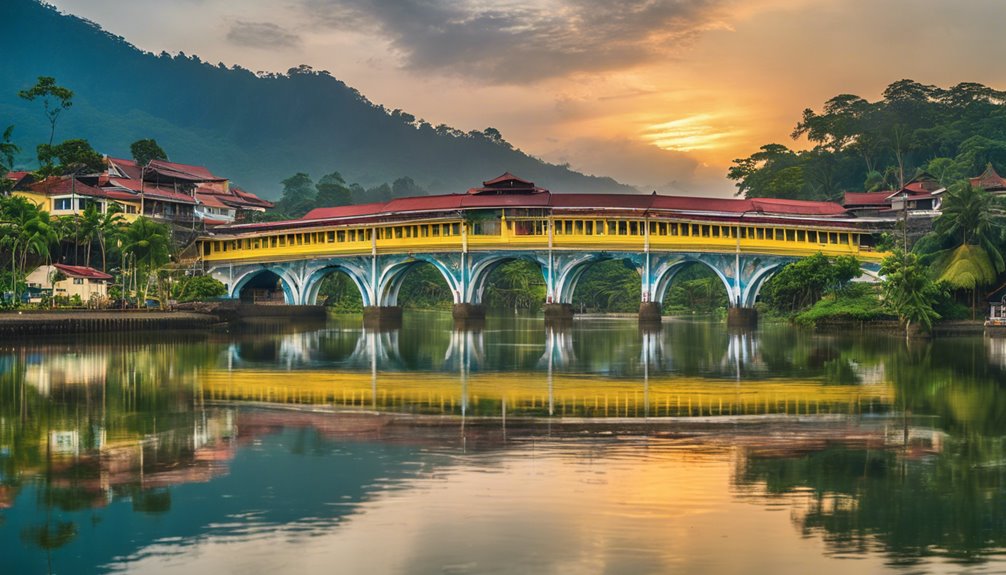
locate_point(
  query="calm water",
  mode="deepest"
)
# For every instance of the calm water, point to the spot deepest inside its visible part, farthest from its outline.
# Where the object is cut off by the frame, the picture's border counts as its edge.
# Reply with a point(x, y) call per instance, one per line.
point(514, 449)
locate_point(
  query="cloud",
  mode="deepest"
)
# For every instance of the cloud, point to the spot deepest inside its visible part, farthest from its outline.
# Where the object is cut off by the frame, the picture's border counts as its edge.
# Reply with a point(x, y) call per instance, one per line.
point(265, 35)
point(518, 42)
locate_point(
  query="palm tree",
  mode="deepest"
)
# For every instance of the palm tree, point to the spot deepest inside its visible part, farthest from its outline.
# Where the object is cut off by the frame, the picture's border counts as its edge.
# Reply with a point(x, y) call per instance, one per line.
point(88, 229)
point(148, 243)
point(26, 231)
point(109, 226)
point(972, 218)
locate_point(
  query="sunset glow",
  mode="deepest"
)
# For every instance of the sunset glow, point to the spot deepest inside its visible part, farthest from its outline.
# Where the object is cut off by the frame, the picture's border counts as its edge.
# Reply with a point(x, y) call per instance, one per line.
point(646, 92)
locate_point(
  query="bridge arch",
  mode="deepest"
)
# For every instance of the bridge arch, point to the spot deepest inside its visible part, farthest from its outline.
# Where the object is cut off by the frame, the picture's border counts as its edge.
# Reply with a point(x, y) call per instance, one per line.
point(664, 274)
point(392, 277)
point(573, 269)
point(286, 281)
point(313, 283)
point(482, 269)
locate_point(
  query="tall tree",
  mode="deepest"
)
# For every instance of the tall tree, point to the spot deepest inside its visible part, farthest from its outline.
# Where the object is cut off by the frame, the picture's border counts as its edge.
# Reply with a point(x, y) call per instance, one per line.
point(145, 150)
point(55, 99)
point(298, 195)
point(908, 290)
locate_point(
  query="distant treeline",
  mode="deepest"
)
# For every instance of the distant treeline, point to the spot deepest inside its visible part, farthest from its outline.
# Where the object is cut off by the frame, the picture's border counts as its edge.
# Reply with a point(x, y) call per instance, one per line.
point(868, 146)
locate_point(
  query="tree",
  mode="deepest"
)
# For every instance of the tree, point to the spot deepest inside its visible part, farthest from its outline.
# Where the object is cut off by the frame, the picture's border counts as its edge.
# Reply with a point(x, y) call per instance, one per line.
point(147, 243)
point(332, 191)
point(145, 150)
point(89, 224)
point(75, 157)
point(908, 290)
point(198, 288)
point(26, 231)
point(54, 98)
point(298, 195)
point(802, 283)
point(7, 151)
point(972, 216)
point(110, 226)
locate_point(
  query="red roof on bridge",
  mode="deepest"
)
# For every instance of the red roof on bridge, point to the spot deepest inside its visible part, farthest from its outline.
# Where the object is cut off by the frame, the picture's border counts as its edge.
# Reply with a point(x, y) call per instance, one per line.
point(508, 191)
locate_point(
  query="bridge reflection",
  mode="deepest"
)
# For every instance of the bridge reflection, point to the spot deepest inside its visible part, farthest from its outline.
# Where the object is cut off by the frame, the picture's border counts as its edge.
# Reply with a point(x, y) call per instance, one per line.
point(727, 354)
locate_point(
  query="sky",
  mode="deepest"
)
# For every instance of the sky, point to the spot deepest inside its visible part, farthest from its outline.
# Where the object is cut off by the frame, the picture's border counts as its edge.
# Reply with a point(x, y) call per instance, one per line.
point(660, 94)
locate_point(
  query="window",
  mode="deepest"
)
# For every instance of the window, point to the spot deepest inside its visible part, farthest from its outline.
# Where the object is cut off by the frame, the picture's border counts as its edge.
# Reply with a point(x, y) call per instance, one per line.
point(78, 281)
point(716, 231)
point(436, 230)
point(568, 226)
point(801, 236)
point(588, 228)
point(790, 235)
point(843, 238)
point(62, 204)
point(633, 228)
point(578, 228)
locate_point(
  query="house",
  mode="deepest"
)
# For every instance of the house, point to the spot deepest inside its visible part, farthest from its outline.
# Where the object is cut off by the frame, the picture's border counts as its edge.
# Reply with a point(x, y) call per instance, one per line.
point(182, 192)
point(61, 280)
point(71, 195)
point(990, 181)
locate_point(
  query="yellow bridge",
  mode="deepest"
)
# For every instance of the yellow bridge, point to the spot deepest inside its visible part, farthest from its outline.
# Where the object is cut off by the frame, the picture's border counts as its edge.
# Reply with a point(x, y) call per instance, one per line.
point(465, 236)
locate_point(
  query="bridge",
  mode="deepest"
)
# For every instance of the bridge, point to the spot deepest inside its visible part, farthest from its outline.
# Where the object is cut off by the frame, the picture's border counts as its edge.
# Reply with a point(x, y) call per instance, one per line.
point(466, 236)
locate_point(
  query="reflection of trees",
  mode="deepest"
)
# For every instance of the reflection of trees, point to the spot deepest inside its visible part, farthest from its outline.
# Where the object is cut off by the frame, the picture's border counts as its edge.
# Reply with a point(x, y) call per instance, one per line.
point(951, 504)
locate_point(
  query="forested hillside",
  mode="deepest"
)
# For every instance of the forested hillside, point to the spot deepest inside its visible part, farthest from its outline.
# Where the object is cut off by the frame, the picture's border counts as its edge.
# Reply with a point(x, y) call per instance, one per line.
point(256, 129)
point(860, 145)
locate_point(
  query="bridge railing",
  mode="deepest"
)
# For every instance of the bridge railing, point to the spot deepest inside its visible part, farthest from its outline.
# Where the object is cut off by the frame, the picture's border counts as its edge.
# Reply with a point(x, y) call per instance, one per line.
point(635, 235)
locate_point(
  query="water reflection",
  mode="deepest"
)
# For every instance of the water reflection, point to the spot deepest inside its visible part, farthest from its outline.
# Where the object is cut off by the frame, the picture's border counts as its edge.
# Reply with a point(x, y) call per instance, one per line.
point(601, 447)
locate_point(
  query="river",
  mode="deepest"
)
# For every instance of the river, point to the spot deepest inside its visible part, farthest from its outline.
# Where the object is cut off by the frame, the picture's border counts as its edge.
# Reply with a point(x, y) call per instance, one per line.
point(514, 448)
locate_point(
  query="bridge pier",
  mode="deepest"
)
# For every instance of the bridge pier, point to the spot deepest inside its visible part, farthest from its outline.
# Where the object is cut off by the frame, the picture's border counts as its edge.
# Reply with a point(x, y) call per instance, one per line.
point(558, 312)
point(382, 316)
point(649, 312)
point(742, 317)
point(468, 311)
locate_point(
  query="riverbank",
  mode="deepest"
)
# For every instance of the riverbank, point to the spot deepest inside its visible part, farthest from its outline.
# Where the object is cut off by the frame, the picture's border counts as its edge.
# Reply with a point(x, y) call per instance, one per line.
point(13, 324)
point(200, 316)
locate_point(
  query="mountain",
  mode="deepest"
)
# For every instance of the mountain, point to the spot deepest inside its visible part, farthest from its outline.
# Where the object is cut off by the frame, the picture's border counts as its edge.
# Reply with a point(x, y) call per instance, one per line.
point(254, 129)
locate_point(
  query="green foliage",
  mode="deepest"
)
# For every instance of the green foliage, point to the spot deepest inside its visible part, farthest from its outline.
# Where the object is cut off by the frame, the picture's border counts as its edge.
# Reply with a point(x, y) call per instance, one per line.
point(609, 286)
point(951, 133)
point(197, 288)
point(695, 289)
point(332, 191)
point(27, 236)
point(515, 285)
point(972, 216)
point(859, 304)
point(338, 292)
point(966, 267)
point(802, 283)
point(74, 156)
point(424, 288)
point(145, 150)
point(908, 290)
point(54, 97)
point(147, 244)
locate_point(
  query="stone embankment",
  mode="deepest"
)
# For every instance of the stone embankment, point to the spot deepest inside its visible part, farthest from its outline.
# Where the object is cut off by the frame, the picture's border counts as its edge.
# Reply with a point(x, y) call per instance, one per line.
point(190, 316)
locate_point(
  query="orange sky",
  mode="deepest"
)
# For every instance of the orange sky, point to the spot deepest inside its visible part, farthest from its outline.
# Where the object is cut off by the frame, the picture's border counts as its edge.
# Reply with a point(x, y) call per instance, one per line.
point(658, 94)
